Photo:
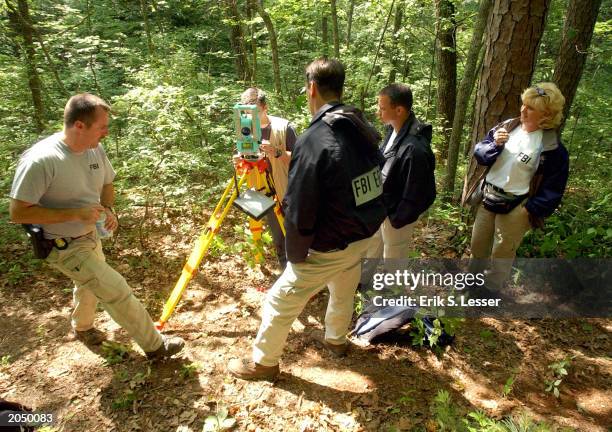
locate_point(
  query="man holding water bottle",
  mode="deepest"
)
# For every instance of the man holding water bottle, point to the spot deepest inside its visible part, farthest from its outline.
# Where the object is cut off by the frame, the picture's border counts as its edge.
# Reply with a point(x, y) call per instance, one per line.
point(64, 185)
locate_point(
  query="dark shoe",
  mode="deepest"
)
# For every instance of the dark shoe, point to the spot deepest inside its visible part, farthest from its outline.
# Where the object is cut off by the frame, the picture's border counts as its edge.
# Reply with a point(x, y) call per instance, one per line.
point(169, 347)
point(249, 370)
point(91, 337)
point(338, 351)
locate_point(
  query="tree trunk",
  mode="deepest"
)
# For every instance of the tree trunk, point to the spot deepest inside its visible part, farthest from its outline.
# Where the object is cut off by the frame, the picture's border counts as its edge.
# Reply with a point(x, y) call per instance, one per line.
point(577, 33)
point(349, 23)
point(19, 16)
point(397, 25)
point(463, 96)
point(447, 68)
point(251, 8)
point(144, 10)
point(335, 30)
point(514, 31)
point(324, 35)
point(273, 46)
point(237, 41)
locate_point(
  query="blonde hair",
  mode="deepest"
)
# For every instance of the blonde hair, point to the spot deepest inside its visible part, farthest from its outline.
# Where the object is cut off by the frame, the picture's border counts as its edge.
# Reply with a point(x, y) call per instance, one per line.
point(546, 98)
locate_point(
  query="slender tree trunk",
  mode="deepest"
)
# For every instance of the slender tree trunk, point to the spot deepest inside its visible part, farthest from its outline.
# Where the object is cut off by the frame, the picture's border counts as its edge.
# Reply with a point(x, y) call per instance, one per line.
point(431, 72)
point(144, 10)
point(19, 16)
point(237, 41)
point(365, 89)
point(335, 30)
point(92, 66)
point(325, 35)
point(251, 7)
point(514, 31)
point(577, 34)
point(465, 91)
point(397, 25)
point(273, 46)
point(27, 22)
point(447, 68)
point(349, 22)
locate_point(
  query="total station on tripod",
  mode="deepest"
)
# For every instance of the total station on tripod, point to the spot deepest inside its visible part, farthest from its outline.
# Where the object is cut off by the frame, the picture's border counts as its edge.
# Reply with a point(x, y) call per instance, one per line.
point(248, 131)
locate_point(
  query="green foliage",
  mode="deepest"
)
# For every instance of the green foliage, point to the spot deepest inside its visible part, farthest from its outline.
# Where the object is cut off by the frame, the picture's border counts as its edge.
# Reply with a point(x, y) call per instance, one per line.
point(135, 385)
point(219, 421)
point(559, 372)
point(445, 413)
point(5, 360)
point(508, 386)
point(580, 229)
point(114, 353)
point(251, 251)
point(449, 418)
point(190, 370)
point(125, 400)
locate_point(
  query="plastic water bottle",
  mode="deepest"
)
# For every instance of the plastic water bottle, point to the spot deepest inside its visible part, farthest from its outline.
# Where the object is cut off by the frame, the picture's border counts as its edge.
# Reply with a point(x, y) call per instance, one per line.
point(102, 232)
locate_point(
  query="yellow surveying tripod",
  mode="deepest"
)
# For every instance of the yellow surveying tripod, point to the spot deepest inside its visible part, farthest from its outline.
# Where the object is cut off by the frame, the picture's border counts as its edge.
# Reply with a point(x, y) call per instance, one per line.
point(256, 174)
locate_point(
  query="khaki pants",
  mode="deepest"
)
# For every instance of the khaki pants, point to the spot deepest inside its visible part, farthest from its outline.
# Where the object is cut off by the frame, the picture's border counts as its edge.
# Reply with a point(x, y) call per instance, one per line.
point(391, 243)
point(339, 270)
point(387, 243)
point(95, 281)
point(497, 236)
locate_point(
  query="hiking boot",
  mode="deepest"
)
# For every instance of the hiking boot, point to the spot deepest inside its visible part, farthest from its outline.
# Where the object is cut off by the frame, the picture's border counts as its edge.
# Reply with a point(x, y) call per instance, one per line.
point(169, 347)
point(91, 337)
point(249, 370)
point(337, 351)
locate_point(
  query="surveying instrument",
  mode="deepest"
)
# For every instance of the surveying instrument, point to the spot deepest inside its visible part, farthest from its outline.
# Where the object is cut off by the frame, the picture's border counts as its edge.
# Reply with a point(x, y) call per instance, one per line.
point(258, 199)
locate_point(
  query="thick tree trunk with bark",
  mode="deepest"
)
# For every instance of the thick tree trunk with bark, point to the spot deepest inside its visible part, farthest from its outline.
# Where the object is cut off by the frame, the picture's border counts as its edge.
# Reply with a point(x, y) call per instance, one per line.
point(397, 26)
point(273, 46)
point(464, 93)
point(237, 41)
point(577, 33)
point(447, 68)
point(335, 30)
point(19, 16)
point(514, 31)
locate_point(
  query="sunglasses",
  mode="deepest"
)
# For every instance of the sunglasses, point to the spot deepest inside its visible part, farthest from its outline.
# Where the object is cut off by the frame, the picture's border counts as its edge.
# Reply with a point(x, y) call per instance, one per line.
point(540, 91)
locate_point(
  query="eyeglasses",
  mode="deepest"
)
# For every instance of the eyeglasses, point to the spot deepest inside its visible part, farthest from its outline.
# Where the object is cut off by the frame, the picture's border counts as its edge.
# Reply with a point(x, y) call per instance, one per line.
point(540, 91)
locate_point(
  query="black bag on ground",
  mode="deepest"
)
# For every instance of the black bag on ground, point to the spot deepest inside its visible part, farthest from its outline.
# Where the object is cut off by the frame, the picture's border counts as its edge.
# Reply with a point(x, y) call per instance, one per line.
point(378, 324)
point(40, 245)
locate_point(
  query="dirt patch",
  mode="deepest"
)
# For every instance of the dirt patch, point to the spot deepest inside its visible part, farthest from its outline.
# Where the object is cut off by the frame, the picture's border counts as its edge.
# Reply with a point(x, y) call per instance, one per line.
point(376, 388)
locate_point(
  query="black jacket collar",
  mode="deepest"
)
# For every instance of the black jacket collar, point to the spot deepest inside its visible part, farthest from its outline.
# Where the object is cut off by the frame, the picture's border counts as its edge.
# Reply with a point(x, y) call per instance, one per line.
point(411, 125)
point(324, 109)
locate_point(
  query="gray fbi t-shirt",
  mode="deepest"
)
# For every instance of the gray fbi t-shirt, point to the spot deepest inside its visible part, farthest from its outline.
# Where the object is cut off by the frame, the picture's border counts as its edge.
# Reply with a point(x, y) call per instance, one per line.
point(50, 175)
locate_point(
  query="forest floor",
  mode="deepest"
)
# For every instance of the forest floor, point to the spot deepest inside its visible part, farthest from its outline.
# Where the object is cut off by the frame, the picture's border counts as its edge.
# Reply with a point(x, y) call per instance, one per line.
point(376, 388)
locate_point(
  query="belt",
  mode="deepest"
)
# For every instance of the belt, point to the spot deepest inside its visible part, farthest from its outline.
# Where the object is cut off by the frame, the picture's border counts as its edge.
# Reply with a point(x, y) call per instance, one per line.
point(62, 243)
point(501, 191)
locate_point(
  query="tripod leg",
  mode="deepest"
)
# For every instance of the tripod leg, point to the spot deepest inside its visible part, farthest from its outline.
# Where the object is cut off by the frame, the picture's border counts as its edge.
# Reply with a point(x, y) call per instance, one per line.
point(199, 250)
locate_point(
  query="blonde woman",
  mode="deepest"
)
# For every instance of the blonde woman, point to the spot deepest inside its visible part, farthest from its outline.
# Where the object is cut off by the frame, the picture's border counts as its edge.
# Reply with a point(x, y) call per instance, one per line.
point(528, 170)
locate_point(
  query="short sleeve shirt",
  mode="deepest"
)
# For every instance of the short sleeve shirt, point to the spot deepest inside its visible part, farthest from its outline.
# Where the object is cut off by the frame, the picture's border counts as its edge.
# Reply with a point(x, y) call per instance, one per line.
point(51, 175)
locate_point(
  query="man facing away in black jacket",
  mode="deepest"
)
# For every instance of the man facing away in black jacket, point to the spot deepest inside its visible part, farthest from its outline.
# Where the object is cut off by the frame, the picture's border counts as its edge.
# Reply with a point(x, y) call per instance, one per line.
point(333, 206)
point(409, 186)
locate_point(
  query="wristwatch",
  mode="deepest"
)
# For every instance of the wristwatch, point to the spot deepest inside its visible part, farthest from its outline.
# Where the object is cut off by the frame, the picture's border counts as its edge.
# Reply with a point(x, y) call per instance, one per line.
point(278, 154)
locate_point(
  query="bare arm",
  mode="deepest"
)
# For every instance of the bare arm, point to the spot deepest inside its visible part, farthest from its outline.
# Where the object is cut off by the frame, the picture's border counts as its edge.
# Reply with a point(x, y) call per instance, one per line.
point(107, 196)
point(28, 213)
point(107, 199)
